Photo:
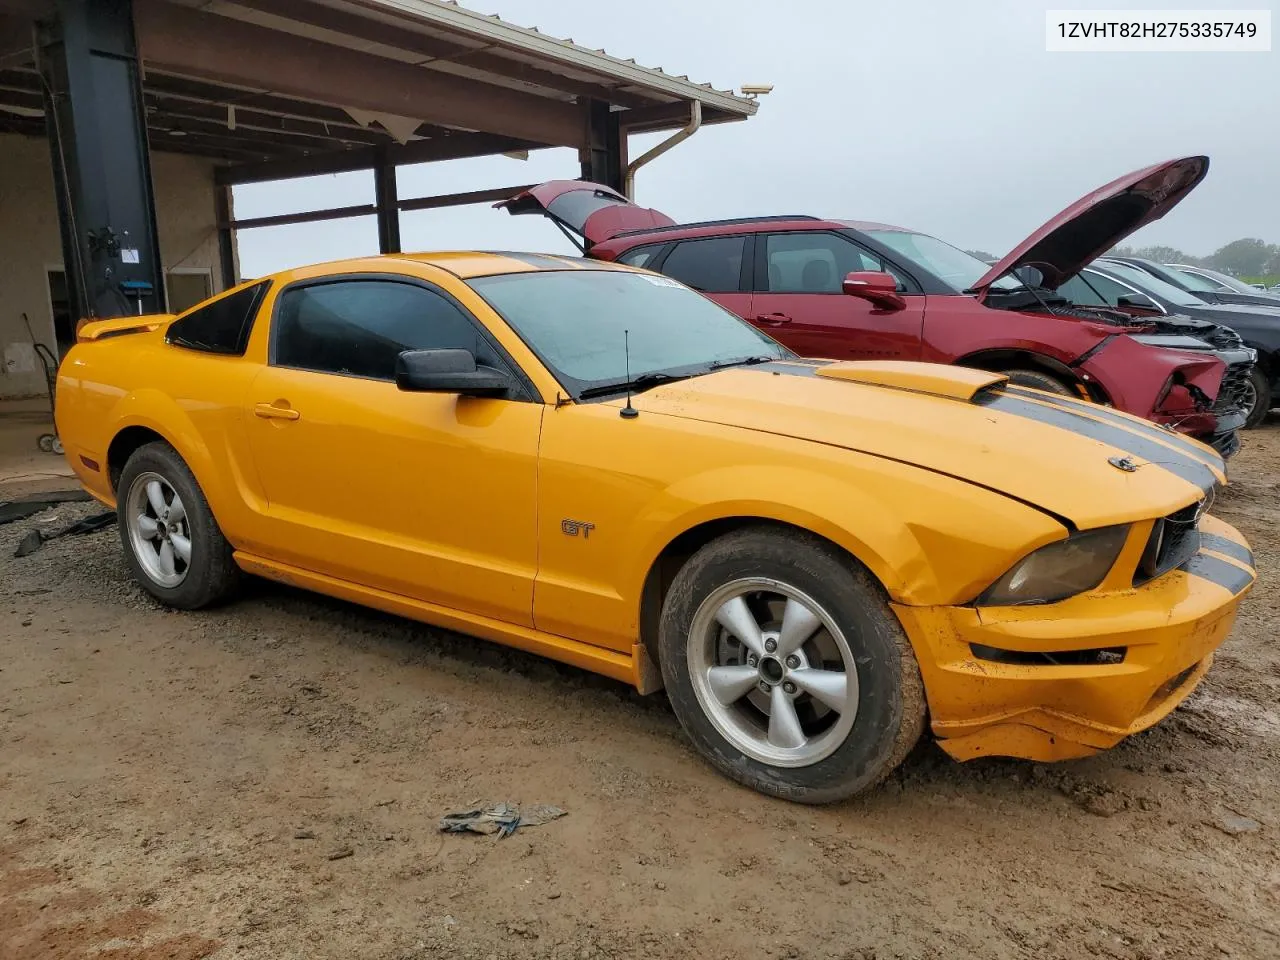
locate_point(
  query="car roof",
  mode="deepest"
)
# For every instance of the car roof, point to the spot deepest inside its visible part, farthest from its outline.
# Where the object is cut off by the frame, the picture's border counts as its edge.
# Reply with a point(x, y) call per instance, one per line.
point(466, 264)
point(628, 239)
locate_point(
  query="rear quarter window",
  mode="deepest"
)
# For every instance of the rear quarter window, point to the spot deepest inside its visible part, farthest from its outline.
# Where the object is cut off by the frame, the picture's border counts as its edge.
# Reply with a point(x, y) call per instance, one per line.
point(641, 256)
point(221, 326)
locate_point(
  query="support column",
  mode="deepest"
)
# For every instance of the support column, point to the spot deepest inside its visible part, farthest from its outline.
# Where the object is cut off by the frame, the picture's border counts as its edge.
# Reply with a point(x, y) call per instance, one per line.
point(228, 262)
point(101, 165)
point(604, 158)
point(386, 199)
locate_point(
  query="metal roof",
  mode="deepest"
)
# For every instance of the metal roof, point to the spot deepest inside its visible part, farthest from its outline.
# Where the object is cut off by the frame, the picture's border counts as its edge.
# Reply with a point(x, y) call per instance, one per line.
point(276, 82)
point(530, 45)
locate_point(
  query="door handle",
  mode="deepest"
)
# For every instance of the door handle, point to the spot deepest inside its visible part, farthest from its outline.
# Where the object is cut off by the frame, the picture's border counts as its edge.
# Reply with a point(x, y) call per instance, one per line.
point(272, 411)
point(773, 319)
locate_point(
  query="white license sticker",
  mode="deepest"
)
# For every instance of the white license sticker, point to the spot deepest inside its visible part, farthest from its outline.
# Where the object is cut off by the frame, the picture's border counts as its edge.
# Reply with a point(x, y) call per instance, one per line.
point(660, 281)
point(129, 255)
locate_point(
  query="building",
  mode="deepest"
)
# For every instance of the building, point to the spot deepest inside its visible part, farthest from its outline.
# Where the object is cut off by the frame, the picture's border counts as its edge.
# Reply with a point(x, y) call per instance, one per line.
point(125, 124)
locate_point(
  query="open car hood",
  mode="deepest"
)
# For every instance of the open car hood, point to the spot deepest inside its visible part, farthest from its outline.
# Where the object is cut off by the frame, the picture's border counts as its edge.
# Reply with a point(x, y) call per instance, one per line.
point(1098, 221)
point(586, 210)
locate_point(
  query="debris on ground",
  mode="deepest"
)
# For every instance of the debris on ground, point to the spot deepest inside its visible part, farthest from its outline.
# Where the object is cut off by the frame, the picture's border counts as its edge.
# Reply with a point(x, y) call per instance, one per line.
point(24, 507)
point(503, 819)
point(1234, 825)
point(36, 539)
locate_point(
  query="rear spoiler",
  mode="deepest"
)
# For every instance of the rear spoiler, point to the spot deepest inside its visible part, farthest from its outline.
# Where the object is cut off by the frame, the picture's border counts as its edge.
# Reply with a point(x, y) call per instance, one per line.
point(119, 326)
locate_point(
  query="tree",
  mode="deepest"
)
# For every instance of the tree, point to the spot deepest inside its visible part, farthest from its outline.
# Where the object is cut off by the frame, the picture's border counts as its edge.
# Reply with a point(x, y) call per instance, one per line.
point(1273, 266)
point(1164, 255)
point(1242, 257)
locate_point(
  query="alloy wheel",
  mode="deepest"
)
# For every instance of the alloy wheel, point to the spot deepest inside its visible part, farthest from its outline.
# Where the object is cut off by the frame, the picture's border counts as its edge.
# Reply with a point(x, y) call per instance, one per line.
point(773, 672)
point(159, 530)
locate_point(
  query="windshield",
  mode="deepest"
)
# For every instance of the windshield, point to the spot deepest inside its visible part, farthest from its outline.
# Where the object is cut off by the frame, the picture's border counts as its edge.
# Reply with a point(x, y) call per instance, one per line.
point(575, 321)
point(1192, 281)
point(949, 264)
point(1153, 285)
point(1231, 283)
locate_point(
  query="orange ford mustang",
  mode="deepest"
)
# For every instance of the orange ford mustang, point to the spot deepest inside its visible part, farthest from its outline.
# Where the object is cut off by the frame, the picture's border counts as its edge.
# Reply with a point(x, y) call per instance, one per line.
point(597, 464)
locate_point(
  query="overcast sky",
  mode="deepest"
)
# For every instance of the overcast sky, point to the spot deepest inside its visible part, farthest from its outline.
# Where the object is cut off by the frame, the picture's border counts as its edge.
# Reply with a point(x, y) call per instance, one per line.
point(947, 116)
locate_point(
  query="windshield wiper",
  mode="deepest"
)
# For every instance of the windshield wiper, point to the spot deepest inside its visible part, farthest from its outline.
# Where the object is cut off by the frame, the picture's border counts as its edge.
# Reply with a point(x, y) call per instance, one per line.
point(645, 381)
point(741, 362)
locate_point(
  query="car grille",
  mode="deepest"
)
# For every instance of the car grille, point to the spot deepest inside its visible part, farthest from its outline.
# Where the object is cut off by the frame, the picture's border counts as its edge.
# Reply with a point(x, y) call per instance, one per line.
point(1234, 392)
point(1174, 540)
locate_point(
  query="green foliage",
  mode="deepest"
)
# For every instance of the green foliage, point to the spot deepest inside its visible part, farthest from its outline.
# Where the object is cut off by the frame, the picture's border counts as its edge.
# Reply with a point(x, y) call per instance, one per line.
point(1244, 258)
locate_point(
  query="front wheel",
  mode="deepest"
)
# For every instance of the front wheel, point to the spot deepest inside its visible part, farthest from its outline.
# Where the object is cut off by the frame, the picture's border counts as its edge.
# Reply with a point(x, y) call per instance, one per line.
point(172, 543)
point(786, 667)
point(1039, 381)
point(1256, 400)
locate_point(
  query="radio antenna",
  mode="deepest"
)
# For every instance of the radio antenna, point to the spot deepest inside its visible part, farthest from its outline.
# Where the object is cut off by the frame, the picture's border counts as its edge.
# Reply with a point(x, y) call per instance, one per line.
point(628, 412)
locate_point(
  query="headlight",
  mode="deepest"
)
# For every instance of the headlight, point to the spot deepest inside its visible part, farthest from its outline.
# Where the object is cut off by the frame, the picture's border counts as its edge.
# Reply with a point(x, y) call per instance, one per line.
point(1059, 570)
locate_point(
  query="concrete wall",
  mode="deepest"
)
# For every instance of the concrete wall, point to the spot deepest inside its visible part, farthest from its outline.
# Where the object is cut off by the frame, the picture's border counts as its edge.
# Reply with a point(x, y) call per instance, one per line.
point(29, 244)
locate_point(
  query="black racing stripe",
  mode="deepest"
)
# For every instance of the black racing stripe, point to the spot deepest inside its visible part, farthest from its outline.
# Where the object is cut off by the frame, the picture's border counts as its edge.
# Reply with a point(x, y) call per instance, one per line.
point(1226, 575)
point(1219, 544)
point(1105, 413)
point(1135, 444)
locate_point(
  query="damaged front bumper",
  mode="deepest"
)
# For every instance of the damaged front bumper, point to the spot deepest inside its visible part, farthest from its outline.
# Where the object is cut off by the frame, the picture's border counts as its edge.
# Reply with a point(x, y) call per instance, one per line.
point(1067, 680)
point(1215, 422)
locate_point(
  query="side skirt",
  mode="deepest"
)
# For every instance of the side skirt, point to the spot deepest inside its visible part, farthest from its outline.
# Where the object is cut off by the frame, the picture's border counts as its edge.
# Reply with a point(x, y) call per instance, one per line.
point(610, 663)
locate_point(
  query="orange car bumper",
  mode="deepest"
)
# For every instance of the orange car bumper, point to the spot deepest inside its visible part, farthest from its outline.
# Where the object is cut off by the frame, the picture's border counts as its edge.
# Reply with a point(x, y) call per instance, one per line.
point(1070, 679)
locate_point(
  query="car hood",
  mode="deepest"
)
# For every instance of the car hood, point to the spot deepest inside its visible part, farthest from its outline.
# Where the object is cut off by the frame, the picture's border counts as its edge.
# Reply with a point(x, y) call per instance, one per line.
point(1269, 300)
point(1098, 221)
point(1048, 451)
point(1227, 312)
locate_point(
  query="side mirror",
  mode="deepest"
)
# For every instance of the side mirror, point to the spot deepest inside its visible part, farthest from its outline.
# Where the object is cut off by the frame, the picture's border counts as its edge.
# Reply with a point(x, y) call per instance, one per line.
point(881, 289)
point(449, 371)
point(1139, 301)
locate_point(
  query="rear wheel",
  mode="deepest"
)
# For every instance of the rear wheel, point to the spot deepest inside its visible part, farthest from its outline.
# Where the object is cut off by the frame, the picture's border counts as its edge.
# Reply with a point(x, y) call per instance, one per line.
point(1256, 398)
point(172, 543)
point(1038, 380)
point(786, 667)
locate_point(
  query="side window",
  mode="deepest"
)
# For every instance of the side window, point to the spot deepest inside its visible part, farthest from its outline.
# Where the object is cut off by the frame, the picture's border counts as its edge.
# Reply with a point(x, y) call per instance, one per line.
point(1078, 292)
point(222, 326)
point(816, 262)
point(359, 327)
point(640, 256)
point(713, 265)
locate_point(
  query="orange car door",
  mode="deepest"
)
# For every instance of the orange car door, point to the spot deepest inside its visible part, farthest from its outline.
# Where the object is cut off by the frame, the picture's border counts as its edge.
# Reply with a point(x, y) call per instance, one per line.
point(428, 495)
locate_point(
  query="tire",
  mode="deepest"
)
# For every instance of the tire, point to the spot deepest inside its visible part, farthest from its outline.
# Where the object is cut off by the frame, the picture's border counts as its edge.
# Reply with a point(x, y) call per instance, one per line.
point(208, 573)
point(1038, 381)
point(768, 568)
point(1261, 398)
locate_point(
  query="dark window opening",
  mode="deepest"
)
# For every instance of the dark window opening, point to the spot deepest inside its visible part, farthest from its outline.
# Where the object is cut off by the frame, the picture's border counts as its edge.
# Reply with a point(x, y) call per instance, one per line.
point(64, 325)
point(359, 327)
point(222, 326)
point(713, 265)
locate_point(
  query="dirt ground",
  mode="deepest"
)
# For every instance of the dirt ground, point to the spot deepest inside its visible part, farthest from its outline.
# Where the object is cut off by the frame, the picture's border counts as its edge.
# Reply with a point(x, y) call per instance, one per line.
point(264, 781)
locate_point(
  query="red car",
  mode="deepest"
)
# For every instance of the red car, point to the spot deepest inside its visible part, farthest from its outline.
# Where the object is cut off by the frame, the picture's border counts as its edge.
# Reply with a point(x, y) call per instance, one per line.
point(853, 291)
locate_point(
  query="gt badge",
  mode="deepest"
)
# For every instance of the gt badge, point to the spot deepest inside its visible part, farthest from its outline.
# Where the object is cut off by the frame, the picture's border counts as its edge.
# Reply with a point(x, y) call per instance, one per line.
point(571, 528)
